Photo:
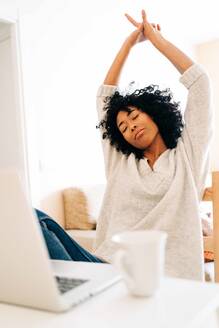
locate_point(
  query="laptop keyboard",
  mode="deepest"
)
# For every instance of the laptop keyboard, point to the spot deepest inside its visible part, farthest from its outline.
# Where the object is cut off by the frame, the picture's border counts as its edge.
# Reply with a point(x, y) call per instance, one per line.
point(65, 284)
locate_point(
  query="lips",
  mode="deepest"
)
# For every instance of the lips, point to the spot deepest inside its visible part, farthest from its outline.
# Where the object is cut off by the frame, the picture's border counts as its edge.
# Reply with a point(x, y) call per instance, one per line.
point(139, 133)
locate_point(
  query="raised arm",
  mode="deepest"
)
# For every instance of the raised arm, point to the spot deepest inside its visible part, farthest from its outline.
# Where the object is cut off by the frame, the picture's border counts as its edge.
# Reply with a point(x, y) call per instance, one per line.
point(111, 156)
point(197, 132)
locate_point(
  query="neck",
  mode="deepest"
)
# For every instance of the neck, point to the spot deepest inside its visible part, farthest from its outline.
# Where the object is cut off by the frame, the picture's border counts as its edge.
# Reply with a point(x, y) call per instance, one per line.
point(155, 149)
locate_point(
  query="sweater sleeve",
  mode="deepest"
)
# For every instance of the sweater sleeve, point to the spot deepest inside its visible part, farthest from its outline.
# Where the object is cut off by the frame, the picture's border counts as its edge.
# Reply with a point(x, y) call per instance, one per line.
point(111, 155)
point(197, 131)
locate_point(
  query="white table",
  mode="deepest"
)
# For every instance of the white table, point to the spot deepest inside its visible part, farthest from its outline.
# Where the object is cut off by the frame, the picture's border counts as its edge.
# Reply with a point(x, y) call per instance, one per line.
point(179, 303)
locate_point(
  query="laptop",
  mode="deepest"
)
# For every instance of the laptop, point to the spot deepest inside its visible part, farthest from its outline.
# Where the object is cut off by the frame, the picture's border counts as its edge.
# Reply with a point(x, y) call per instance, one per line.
point(27, 276)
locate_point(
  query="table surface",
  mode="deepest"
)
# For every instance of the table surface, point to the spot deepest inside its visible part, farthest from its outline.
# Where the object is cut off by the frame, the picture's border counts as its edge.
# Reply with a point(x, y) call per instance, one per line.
point(179, 303)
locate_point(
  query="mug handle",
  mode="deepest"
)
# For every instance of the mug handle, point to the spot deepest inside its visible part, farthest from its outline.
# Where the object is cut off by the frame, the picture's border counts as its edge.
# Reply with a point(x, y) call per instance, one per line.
point(119, 261)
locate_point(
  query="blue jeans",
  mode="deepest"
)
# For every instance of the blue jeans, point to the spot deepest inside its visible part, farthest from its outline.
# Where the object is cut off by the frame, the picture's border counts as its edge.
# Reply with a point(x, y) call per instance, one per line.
point(60, 245)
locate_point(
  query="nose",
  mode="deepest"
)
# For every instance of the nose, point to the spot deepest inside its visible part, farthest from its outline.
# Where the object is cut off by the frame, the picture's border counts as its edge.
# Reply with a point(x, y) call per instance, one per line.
point(133, 127)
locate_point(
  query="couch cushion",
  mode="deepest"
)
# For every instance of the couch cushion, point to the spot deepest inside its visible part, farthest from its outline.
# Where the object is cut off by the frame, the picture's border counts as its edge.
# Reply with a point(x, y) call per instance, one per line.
point(76, 210)
point(82, 205)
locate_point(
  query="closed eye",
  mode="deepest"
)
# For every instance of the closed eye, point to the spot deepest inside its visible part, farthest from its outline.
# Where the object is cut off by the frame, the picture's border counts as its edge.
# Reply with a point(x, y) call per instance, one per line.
point(132, 119)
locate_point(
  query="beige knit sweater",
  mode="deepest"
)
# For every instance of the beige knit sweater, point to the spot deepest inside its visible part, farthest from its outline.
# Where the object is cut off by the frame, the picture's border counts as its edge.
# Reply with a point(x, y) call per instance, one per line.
point(167, 197)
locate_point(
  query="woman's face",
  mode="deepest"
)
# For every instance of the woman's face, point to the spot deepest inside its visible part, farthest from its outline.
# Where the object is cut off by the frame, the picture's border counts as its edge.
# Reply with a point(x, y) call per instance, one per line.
point(137, 128)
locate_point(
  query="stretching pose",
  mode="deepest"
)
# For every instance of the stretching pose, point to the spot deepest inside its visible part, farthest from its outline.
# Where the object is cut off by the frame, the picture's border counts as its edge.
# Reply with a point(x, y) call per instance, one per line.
point(156, 163)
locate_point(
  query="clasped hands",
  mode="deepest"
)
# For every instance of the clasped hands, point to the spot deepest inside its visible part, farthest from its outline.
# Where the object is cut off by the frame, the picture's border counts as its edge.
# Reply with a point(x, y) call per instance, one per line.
point(144, 31)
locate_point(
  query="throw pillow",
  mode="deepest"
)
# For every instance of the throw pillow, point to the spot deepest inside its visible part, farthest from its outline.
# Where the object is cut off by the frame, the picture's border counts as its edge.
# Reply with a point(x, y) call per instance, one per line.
point(76, 210)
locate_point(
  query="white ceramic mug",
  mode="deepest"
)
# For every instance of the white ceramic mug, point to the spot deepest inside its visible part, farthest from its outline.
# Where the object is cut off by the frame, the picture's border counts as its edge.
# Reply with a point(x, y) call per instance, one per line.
point(140, 259)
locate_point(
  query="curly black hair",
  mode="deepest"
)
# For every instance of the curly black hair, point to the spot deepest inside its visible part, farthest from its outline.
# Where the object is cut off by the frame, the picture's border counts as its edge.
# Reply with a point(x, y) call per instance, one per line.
point(158, 104)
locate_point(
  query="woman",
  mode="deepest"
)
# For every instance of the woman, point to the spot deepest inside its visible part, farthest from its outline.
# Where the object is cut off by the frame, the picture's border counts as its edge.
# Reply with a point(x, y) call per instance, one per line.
point(155, 167)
